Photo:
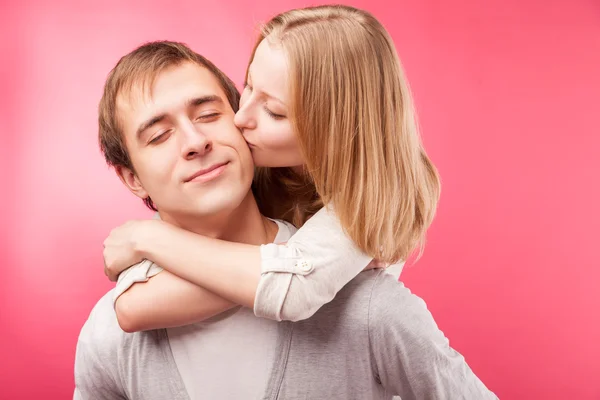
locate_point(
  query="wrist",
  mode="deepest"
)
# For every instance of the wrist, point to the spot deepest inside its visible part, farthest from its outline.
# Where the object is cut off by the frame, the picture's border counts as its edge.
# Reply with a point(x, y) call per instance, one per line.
point(146, 238)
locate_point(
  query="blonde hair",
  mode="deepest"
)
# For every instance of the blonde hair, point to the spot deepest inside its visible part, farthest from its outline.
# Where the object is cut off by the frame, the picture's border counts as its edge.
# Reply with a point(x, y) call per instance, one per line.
point(353, 114)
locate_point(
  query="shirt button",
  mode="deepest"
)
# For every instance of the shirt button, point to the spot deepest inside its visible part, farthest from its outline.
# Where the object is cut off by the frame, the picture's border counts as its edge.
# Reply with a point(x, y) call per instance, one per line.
point(304, 266)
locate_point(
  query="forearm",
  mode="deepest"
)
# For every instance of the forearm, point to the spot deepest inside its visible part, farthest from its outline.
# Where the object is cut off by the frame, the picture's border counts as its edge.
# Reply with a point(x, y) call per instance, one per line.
point(166, 301)
point(273, 281)
point(227, 269)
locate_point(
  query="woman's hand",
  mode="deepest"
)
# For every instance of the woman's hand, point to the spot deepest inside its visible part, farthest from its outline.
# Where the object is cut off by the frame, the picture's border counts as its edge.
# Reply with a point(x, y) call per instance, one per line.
point(122, 247)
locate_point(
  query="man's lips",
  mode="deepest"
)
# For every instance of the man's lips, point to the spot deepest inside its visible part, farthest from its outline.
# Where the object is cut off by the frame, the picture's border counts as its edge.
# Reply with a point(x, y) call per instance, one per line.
point(206, 174)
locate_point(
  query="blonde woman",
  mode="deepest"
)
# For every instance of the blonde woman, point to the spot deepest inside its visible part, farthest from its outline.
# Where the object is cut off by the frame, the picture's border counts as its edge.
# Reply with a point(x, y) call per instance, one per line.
point(329, 118)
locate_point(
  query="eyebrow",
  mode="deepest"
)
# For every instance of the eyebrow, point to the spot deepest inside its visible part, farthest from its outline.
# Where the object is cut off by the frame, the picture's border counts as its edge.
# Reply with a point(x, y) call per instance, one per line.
point(273, 97)
point(249, 78)
point(197, 101)
point(194, 102)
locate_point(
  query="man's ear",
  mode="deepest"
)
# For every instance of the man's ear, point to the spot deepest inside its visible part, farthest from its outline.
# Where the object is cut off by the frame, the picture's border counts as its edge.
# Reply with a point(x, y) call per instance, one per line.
point(131, 181)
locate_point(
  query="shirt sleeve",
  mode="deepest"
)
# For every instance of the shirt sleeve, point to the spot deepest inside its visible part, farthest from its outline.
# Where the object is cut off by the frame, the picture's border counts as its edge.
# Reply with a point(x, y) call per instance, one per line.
point(301, 276)
point(140, 272)
point(136, 273)
point(412, 357)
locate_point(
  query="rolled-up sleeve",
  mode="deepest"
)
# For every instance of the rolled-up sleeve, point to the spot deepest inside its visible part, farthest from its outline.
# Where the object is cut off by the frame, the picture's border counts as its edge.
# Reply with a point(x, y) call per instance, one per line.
point(140, 272)
point(306, 273)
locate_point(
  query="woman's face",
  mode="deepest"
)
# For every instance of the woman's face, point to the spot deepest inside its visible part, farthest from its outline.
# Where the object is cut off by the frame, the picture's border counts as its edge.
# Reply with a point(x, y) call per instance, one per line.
point(263, 114)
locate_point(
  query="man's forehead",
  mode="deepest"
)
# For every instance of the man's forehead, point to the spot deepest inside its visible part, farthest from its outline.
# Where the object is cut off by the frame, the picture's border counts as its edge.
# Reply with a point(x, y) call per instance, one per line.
point(174, 85)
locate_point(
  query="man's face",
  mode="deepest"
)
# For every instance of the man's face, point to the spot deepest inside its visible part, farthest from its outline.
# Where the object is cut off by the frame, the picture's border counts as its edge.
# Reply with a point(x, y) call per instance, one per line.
point(188, 155)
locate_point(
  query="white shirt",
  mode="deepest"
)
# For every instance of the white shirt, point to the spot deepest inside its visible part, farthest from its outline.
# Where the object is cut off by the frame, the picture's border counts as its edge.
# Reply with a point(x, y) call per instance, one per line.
point(227, 356)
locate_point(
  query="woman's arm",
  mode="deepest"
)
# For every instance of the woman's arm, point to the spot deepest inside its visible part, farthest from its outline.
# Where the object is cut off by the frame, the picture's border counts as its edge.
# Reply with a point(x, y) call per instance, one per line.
point(166, 301)
point(146, 297)
point(326, 259)
point(228, 269)
point(281, 282)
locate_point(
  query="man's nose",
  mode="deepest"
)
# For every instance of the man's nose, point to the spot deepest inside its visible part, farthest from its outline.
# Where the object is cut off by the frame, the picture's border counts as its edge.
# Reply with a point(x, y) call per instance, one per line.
point(195, 142)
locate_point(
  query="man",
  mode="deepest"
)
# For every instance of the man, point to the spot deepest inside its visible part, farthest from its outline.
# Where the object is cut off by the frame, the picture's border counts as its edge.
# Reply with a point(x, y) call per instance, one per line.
point(374, 340)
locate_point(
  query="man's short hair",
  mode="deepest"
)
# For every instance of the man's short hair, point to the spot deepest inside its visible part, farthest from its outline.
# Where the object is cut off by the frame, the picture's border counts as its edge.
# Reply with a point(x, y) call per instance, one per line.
point(141, 67)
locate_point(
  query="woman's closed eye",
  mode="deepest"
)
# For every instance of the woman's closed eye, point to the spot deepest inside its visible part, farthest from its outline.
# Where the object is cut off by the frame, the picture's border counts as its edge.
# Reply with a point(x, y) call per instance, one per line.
point(272, 114)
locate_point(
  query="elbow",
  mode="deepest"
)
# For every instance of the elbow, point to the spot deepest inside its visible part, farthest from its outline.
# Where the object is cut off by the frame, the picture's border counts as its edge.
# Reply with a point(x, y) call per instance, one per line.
point(286, 312)
point(129, 320)
point(295, 317)
point(299, 306)
point(298, 311)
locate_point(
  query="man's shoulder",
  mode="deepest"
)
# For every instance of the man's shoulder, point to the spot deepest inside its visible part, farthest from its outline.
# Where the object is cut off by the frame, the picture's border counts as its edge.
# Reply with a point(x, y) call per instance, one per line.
point(98, 348)
point(101, 332)
point(101, 329)
point(356, 298)
point(112, 362)
point(102, 339)
point(375, 282)
point(379, 296)
point(392, 307)
point(104, 309)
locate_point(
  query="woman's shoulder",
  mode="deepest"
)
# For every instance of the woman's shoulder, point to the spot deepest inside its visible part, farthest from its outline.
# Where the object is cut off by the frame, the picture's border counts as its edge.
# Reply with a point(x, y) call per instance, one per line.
point(285, 231)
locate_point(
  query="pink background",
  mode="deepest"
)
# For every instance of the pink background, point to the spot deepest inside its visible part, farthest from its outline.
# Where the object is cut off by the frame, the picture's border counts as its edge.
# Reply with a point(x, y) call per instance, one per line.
point(507, 94)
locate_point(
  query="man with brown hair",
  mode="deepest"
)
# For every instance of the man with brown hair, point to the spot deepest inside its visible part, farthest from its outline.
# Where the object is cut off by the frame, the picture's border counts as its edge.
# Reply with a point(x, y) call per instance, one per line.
point(141, 67)
point(166, 122)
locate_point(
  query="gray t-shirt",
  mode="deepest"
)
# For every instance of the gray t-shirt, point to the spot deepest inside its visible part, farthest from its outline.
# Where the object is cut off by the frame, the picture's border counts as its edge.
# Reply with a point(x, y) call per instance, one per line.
point(373, 341)
point(233, 344)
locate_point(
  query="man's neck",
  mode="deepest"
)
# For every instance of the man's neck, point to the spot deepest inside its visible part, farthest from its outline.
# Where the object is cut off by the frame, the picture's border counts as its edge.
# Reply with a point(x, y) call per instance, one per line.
point(244, 224)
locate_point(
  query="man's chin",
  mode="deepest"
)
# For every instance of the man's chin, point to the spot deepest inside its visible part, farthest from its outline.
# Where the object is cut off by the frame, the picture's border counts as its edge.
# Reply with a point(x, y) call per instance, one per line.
point(218, 204)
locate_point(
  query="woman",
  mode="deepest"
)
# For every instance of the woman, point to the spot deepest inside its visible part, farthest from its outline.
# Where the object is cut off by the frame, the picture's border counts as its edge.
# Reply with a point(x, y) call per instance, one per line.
point(329, 118)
